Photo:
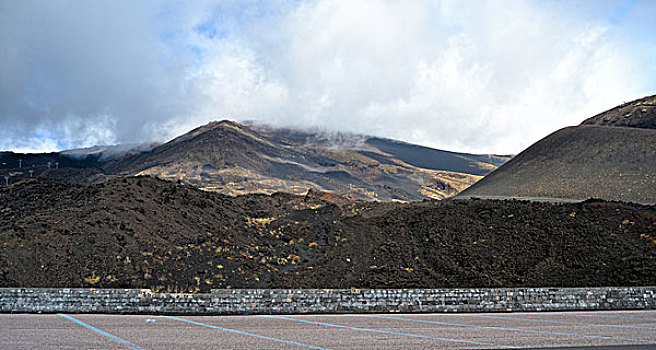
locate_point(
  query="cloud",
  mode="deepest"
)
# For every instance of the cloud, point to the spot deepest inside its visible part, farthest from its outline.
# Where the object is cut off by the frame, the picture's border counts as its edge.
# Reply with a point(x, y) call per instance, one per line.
point(75, 72)
point(466, 76)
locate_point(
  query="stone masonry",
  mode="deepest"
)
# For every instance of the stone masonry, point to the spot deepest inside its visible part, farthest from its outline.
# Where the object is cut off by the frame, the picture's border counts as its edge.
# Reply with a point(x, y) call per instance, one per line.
point(317, 301)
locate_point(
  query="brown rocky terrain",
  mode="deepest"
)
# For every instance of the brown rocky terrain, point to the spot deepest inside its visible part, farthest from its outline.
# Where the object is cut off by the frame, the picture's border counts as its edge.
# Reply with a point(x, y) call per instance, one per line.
point(610, 156)
point(143, 232)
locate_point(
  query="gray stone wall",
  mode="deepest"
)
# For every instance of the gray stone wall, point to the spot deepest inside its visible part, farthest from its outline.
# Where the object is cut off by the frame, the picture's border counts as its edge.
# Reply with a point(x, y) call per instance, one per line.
point(282, 301)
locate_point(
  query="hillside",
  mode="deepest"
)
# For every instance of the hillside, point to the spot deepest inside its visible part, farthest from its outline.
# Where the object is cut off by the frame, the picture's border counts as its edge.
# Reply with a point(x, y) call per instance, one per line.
point(610, 156)
point(635, 114)
point(235, 159)
point(148, 233)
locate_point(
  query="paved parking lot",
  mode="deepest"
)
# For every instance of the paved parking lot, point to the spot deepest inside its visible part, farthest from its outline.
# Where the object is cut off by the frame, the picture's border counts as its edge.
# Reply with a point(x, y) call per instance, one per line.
point(380, 331)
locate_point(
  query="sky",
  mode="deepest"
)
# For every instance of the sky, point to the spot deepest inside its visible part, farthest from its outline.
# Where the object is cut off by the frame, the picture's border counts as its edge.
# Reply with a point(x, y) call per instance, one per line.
point(468, 76)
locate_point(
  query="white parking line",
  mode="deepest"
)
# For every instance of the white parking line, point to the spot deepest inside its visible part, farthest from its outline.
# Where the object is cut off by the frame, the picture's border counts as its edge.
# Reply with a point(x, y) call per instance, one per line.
point(522, 330)
point(391, 332)
point(559, 322)
point(246, 333)
point(101, 332)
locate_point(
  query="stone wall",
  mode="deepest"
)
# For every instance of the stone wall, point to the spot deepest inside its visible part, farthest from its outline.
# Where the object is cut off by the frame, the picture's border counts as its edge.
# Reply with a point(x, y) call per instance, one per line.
point(281, 301)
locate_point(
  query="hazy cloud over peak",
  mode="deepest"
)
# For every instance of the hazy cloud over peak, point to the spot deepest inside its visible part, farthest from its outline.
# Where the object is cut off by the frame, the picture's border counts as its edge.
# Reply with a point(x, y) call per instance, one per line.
point(466, 76)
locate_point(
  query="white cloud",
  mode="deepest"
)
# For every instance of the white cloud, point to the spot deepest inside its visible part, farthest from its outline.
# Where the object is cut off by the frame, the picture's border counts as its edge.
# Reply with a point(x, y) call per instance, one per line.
point(466, 76)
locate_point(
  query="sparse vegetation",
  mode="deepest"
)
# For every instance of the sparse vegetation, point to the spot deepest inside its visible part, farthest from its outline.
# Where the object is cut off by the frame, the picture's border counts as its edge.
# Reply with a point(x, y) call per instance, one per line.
point(176, 247)
point(259, 222)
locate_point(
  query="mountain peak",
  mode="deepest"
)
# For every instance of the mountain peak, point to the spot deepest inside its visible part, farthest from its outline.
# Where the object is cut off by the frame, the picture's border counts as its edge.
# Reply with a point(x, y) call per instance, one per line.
point(218, 127)
point(225, 123)
point(218, 124)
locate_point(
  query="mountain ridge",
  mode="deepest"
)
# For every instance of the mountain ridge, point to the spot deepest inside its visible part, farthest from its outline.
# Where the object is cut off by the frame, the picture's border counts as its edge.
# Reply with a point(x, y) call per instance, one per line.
point(232, 158)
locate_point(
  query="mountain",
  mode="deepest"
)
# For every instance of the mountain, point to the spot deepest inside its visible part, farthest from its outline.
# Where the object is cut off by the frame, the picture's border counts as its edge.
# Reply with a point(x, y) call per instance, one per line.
point(234, 159)
point(610, 156)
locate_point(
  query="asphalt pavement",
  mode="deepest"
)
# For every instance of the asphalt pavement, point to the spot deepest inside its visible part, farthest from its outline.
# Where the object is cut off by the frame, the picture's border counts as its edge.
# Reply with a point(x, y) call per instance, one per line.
point(570, 330)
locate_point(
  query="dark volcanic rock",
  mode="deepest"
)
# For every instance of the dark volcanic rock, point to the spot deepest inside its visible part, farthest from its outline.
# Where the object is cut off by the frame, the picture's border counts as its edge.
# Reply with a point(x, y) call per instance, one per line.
point(636, 114)
point(579, 163)
point(147, 233)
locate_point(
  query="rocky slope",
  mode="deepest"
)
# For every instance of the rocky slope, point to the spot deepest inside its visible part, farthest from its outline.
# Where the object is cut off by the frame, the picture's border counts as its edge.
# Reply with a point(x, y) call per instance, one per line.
point(147, 233)
point(635, 114)
point(610, 156)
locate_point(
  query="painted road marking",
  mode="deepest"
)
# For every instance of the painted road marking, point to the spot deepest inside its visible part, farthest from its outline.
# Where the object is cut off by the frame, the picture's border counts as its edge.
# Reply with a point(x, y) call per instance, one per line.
point(391, 332)
point(504, 328)
point(562, 322)
point(99, 331)
point(246, 333)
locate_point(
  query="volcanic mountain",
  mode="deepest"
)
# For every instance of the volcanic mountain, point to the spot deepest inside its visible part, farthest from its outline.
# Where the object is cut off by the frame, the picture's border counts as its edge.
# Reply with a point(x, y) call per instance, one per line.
point(236, 159)
point(610, 156)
